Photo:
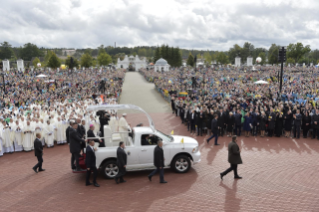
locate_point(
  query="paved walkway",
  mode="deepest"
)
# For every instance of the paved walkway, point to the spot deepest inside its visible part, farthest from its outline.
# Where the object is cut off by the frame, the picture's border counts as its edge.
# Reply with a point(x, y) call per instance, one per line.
point(137, 91)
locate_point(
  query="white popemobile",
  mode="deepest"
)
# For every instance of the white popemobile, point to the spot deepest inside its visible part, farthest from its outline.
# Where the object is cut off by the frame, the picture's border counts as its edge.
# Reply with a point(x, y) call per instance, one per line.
point(179, 151)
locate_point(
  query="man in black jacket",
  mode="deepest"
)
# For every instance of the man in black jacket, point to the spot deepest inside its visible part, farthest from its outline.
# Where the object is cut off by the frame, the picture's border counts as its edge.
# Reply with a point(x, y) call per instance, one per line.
point(214, 128)
point(91, 134)
point(75, 146)
point(238, 116)
point(233, 158)
point(121, 163)
point(38, 151)
point(67, 132)
point(315, 125)
point(158, 162)
point(297, 124)
point(90, 162)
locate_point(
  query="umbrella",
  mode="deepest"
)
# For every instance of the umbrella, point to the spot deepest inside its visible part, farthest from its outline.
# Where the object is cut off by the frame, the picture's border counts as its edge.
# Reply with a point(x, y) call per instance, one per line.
point(41, 75)
point(261, 82)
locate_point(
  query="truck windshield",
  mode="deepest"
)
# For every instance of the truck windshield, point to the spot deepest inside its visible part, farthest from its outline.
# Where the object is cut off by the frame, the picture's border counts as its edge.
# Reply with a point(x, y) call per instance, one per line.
point(167, 138)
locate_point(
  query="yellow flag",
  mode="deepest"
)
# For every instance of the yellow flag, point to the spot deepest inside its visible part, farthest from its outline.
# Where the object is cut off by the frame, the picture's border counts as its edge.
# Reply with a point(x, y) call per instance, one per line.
point(172, 133)
point(182, 141)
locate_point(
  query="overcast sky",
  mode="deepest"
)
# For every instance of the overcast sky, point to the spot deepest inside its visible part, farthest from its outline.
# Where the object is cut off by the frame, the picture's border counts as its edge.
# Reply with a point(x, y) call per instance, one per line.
point(192, 24)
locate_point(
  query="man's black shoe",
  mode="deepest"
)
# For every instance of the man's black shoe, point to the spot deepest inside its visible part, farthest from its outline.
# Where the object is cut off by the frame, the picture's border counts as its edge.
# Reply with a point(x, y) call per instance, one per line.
point(87, 184)
point(35, 170)
point(116, 180)
point(163, 181)
point(123, 181)
point(80, 170)
point(96, 185)
point(207, 141)
point(41, 170)
point(221, 176)
point(237, 177)
point(217, 144)
point(73, 168)
point(150, 178)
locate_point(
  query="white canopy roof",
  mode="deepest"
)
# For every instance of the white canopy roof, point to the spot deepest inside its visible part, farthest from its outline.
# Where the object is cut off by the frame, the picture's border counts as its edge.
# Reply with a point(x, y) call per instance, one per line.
point(42, 75)
point(261, 82)
point(121, 107)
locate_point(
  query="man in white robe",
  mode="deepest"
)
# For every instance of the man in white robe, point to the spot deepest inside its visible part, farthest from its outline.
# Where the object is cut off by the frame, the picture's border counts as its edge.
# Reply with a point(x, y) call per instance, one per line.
point(113, 123)
point(49, 134)
point(59, 131)
point(27, 137)
point(38, 128)
point(17, 129)
point(7, 142)
point(124, 128)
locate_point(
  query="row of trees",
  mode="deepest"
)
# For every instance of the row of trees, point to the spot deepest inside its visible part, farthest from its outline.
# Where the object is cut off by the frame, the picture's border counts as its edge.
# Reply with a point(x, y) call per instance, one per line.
point(296, 53)
point(170, 54)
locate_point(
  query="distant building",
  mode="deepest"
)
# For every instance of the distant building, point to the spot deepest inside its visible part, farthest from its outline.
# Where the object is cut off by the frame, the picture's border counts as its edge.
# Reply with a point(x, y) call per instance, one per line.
point(161, 65)
point(132, 63)
point(69, 52)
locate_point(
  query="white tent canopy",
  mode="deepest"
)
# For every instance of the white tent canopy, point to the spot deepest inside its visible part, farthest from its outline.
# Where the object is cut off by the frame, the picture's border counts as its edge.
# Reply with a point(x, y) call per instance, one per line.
point(261, 82)
point(41, 76)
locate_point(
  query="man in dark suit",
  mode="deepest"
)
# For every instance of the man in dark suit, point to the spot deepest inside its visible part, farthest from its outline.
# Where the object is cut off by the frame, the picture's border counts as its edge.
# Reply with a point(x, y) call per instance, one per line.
point(221, 122)
point(233, 158)
point(200, 123)
point(90, 162)
point(315, 125)
point(121, 163)
point(90, 134)
point(76, 142)
point(81, 129)
point(297, 124)
point(67, 132)
point(38, 151)
point(192, 118)
point(158, 161)
point(238, 123)
point(214, 128)
point(271, 123)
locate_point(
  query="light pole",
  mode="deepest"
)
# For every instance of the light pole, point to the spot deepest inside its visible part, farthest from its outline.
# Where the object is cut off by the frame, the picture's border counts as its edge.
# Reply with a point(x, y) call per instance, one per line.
point(282, 58)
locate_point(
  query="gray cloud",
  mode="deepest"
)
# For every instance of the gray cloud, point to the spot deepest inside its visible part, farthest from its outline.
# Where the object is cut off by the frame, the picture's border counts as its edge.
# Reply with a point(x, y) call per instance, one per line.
point(201, 24)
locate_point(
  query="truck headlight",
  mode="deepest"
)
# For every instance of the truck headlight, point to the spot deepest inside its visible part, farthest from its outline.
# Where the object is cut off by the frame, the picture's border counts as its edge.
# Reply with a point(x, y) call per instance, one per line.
point(195, 149)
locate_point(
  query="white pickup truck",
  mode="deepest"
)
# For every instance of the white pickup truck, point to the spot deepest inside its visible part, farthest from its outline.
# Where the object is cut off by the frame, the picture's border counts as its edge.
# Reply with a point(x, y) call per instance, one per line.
point(179, 151)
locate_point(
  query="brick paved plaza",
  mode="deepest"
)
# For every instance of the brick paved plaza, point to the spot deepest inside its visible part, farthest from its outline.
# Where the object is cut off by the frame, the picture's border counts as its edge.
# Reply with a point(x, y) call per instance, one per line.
point(278, 175)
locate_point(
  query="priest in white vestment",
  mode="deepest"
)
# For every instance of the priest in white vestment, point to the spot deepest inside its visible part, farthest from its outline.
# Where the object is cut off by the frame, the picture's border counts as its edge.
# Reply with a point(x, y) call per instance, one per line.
point(17, 129)
point(49, 134)
point(59, 131)
point(113, 123)
point(7, 142)
point(38, 128)
point(27, 137)
point(124, 128)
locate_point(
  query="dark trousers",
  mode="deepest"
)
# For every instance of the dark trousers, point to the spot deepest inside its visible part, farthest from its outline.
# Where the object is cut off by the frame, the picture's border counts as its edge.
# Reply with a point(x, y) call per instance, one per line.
point(193, 127)
point(270, 132)
point(199, 131)
point(233, 167)
point(88, 174)
point(75, 158)
point(161, 171)
point(297, 131)
point(214, 135)
point(305, 130)
point(221, 131)
point(315, 132)
point(39, 164)
point(254, 130)
point(122, 172)
point(238, 130)
point(188, 126)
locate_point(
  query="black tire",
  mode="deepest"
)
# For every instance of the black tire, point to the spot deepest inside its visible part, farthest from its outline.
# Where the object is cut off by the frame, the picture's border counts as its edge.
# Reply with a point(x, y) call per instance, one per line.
point(181, 164)
point(109, 169)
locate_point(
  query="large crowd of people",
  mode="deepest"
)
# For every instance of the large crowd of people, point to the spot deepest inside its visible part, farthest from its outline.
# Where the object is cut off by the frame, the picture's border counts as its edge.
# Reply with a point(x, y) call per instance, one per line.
point(231, 94)
point(32, 105)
